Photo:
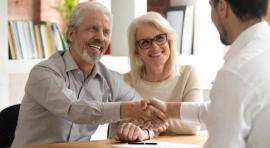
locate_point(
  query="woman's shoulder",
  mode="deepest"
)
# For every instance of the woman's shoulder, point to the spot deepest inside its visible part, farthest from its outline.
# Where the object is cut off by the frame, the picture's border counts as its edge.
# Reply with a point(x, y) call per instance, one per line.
point(186, 68)
point(127, 77)
point(189, 71)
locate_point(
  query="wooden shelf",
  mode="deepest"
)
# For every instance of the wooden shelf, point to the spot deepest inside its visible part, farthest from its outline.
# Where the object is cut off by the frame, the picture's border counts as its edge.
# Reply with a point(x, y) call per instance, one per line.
point(21, 66)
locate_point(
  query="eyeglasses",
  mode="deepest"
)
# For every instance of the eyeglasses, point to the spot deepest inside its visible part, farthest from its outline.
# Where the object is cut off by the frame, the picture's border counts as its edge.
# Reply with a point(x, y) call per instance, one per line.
point(159, 39)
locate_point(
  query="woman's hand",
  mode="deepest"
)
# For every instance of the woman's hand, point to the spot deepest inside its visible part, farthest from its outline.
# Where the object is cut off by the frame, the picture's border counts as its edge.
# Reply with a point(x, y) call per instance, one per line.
point(130, 132)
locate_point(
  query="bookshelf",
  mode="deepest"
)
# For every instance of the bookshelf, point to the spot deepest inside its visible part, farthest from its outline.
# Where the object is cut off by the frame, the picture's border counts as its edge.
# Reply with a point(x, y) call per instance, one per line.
point(12, 72)
point(9, 67)
point(33, 33)
point(22, 66)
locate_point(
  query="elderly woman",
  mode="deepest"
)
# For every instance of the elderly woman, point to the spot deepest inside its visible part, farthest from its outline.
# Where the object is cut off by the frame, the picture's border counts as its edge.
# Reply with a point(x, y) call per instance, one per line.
point(155, 73)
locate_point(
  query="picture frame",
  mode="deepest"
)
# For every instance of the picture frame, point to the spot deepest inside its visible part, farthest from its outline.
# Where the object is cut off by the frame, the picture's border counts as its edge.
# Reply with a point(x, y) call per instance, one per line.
point(181, 18)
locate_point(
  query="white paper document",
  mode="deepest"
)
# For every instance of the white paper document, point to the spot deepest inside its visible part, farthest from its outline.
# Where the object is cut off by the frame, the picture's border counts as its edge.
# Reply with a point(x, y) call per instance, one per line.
point(158, 145)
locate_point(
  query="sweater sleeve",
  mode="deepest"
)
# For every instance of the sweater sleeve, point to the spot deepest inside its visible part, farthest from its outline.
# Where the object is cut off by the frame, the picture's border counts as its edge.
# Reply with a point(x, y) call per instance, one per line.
point(192, 93)
point(193, 89)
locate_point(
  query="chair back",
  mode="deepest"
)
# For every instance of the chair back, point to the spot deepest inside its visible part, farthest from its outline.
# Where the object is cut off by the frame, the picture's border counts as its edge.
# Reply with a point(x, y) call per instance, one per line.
point(8, 123)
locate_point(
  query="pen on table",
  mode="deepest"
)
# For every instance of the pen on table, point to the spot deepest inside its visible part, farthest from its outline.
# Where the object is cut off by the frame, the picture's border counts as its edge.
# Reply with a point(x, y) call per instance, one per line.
point(143, 143)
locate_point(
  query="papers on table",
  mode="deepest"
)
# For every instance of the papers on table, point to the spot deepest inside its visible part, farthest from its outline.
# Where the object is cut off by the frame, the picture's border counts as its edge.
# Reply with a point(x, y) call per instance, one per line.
point(158, 145)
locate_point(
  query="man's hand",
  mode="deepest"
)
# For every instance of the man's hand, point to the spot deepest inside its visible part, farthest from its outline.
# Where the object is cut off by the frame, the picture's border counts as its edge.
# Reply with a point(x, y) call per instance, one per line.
point(171, 109)
point(156, 103)
point(142, 112)
point(129, 132)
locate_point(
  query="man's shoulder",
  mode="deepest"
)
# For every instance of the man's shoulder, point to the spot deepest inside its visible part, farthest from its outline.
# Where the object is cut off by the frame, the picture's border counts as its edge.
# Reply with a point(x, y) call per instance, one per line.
point(255, 52)
point(54, 62)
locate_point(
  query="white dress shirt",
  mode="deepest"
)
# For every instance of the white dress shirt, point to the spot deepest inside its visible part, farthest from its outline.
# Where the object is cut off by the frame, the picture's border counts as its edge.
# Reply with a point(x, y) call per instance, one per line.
point(239, 115)
point(194, 112)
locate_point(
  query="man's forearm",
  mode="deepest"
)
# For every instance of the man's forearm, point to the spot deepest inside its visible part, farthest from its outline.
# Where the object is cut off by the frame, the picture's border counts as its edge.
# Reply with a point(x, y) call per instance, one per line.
point(173, 110)
point(124, 114)
point(196, 112)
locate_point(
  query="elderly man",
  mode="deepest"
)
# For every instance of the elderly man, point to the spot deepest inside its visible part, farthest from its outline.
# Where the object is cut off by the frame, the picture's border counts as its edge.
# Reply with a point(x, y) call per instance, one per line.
point(240, 99)
point(71, 93)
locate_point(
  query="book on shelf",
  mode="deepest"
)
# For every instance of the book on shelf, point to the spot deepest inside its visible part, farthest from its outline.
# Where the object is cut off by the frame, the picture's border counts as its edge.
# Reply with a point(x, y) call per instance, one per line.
point(28, 41)
point(32, 40)
point(25, 45)
point(11, 46)
point(15, 39)
point(57, 41)
point(181, 18)
point(38, 40)
point(45, 39)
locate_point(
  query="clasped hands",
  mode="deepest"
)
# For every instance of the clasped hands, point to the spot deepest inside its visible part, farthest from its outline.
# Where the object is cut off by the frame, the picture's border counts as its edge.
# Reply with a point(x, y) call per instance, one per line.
point(143, 115)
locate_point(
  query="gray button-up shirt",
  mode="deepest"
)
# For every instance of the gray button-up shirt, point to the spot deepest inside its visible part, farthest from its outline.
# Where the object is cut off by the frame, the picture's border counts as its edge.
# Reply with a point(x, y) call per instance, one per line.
point(60, 105)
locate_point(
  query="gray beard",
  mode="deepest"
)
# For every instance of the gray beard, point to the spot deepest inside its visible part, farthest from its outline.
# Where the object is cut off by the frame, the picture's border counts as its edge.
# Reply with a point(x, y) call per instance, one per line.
point(90, 58)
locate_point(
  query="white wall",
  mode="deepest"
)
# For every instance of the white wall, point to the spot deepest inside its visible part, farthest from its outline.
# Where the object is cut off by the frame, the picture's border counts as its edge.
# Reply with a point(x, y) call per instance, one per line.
point(207, 46)
point(107, 3)
point(207, 42)
point(3, 55)
point(124, 11)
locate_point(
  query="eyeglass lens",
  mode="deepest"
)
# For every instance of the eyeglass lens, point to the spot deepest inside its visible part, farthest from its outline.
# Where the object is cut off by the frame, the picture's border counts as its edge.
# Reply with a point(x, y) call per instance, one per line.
point(147, 43)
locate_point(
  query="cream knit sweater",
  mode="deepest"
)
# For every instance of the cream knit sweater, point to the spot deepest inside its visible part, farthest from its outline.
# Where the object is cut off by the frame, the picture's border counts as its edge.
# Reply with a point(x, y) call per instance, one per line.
point(182, 88)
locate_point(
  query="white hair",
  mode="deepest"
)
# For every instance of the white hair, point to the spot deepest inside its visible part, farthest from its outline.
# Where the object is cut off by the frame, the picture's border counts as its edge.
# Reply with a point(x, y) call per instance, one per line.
point(136, 65)
point(76, 16)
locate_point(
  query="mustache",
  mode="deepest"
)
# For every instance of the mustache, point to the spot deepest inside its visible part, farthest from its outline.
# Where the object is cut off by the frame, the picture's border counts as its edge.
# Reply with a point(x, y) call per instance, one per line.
point(96, 43)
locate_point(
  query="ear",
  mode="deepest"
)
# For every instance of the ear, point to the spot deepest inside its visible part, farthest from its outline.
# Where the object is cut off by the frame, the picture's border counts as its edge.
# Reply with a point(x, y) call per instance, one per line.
point(223, 8)
point(70, 35)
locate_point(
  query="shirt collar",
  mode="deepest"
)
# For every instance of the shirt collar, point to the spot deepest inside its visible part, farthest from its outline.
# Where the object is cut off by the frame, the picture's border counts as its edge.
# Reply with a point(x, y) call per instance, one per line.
point(69, 61)
point(97, 70)
point(256, 31)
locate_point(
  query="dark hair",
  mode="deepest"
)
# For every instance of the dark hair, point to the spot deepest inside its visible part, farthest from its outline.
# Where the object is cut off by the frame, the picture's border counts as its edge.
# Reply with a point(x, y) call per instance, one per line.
point(247, 9)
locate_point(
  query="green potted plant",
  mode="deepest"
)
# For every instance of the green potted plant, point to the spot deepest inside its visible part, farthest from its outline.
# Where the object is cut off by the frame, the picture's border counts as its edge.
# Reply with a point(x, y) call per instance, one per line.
point(64, 7)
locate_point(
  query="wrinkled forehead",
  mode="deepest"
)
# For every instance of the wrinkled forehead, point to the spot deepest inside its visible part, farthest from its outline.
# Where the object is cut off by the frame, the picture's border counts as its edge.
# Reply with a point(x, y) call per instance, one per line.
point(95, 17)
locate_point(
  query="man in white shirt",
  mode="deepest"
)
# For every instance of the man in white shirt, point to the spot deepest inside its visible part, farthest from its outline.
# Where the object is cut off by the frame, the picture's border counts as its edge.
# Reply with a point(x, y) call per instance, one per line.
point(240, 98)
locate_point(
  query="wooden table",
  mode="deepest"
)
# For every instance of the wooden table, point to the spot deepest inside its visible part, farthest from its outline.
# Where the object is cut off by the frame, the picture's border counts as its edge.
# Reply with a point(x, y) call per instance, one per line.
point(200, 140)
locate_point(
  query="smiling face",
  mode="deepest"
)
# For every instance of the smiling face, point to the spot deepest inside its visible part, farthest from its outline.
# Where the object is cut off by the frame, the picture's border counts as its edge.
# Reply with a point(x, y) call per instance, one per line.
point(91, 37)
point(157, 54)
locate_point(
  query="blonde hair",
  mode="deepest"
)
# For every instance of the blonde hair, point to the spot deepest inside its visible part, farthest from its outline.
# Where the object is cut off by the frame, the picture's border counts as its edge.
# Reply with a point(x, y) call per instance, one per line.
point(136, 64)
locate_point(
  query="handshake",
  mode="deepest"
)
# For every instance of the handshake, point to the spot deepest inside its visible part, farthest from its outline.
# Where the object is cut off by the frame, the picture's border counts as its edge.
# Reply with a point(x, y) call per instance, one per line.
point(146, 114)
